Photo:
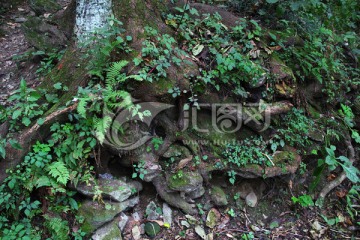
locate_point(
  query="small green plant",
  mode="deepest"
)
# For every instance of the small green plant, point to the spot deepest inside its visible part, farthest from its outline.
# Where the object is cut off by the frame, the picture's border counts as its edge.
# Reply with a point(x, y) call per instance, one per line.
point(179, 174)
point(231, 212)
point(250, 151)
point(200, 208)
point(248, 236)
point(303, 200)
point(302, 168)
point(232, 176)
point(49, 61)
point(139, 170)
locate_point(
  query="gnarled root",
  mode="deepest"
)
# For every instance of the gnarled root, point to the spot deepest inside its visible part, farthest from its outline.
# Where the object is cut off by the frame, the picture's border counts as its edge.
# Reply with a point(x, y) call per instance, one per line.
point(337, 181)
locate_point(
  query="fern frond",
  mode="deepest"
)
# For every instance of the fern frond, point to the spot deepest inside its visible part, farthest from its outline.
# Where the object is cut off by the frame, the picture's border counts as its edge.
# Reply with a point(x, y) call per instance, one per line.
point(101, 126)
point(113, 71)
point(57, 227)
point(59, 171)
point(81, 107)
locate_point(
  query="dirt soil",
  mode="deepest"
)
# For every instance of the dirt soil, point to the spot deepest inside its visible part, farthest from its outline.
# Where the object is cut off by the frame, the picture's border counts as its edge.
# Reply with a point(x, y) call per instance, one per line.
point(14, 63)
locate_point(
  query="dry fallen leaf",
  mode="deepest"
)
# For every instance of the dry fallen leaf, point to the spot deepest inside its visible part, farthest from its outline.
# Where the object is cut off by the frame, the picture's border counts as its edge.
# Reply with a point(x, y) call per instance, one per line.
point(184, 161)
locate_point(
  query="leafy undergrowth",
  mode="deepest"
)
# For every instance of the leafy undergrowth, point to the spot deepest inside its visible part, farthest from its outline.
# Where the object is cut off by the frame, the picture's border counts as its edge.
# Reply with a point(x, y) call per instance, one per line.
point(302, 49)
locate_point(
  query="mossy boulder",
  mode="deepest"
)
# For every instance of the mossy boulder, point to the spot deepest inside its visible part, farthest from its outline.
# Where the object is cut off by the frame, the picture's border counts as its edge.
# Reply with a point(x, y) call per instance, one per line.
point(44, 6)
point(186, 182)
point(113, 189)
point(42, 35)
point(97, 214)
point(109, 231)
point(218, 196)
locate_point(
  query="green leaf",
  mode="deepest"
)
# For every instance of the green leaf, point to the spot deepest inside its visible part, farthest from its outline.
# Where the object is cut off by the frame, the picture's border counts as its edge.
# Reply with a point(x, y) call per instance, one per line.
point(26, 121)
point(34, 96)
point(15, 144)
point(128, 38)
point(11, 184)
point(73, 204)
point(16, 114)
point(57, 86)
point(272, 1)
point(352, 173)
point(43, 181)
point(59, 171)
point(40, 121)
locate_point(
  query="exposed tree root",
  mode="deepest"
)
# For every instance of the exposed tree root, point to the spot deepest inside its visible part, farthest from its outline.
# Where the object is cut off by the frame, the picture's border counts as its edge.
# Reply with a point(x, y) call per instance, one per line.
point(337, 181)
point(28, 137)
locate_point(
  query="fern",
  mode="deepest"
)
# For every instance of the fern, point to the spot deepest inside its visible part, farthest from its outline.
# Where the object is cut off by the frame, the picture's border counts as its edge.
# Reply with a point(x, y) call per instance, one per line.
point(59, 171)
point(113, 72)
point(57, 227)
point(101, 126)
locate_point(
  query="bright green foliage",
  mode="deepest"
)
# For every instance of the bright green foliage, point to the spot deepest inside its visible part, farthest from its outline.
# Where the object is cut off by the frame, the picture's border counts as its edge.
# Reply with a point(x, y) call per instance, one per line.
point(228, 61)
point(295, 129)
point(49, 61)
point(26, 107)
point(303, 200)
point(139, 170)
point(250, 151)
point(58, 227)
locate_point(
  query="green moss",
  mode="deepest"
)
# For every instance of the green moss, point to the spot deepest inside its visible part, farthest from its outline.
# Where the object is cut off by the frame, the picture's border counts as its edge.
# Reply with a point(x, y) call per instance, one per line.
point(283, 157)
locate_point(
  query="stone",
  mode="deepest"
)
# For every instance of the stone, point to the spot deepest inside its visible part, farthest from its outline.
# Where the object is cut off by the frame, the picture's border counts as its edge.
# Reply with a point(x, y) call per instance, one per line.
point(152, 172)
point(136, 233)
point(42, 35)
point(113, 189)
point(200, 231)
point(218, 196)
point(96, 214)
point(152, 229)
point(196, 193)
point(44, 6)
point(167, 213)
point(212, 218)
point(109, 231)
point(177, 151)
point(123, 221)
point(251, 199)
point(152, 211)
point(187, 182)
point(20, 20)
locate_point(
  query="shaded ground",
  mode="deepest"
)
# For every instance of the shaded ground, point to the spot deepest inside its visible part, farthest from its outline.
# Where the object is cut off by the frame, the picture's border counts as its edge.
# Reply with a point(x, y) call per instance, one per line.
point(15, 61)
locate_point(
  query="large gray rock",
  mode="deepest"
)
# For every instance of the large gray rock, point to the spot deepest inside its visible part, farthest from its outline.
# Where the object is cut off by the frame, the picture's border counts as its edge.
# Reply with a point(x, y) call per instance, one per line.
point(96, 214)
point(113, 189)
point(42, 35)
point(109, 231)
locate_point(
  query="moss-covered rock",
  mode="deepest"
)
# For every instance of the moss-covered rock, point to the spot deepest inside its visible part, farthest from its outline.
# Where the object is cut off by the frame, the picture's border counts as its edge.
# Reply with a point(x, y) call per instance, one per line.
point(218, 196)
point(112, 189)
point(109, 231)
point(97, 214)
point(42, 35)
point(44, 6)
point(185, 182)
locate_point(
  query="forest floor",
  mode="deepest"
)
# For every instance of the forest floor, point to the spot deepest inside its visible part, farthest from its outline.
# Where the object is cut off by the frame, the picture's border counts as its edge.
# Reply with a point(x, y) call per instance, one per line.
point(274, 217)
